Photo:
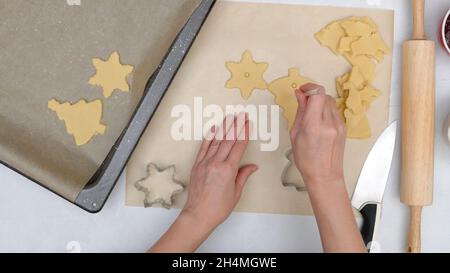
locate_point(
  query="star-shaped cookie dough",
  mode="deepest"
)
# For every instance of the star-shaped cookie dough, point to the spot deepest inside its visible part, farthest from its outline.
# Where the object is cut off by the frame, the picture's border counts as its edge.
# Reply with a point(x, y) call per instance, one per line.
point(247, 75)
point(159, 186)
point(111, 75)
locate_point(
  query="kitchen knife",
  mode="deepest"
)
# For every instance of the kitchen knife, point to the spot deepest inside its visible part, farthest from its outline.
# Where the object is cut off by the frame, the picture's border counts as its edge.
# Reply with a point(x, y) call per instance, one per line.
point(372, 181)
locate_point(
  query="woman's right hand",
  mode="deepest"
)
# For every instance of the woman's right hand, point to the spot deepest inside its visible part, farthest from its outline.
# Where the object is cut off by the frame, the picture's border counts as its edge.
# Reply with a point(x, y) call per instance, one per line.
point(318, 137)
point(318, 141)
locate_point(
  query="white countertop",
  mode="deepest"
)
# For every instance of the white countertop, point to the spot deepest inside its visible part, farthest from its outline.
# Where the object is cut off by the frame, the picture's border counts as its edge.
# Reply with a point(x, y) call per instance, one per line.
point(35, 220)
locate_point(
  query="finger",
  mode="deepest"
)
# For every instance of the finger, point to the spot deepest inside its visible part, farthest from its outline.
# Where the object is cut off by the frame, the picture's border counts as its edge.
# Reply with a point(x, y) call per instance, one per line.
point(219, 136)
point(230, 139)
point(205, 144)
point(242, 177)
point(327, 111)
point(335, 112)
point(239, 147)
point(302, 100)
point(315, 104)
point(312, 89)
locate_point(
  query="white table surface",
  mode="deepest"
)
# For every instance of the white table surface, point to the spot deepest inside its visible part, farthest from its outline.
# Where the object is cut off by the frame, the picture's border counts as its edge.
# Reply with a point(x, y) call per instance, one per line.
point(35, 220)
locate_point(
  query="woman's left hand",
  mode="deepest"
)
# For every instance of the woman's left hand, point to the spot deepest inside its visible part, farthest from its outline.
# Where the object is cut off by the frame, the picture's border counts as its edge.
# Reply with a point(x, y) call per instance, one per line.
point(217, 180)
point(216, 185)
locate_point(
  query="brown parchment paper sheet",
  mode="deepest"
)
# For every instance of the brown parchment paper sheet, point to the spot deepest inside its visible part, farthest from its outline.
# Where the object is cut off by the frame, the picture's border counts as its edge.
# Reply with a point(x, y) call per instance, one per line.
point(283, 36)
point(46, 50)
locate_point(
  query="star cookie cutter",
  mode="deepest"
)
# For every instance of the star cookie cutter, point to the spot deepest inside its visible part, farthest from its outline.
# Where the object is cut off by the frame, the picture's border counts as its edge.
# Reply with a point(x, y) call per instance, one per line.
point(161, 193)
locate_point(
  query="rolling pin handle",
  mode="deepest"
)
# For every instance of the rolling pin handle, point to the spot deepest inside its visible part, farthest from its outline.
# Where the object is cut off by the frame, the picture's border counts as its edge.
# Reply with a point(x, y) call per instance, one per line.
point(419, 20)
point(414, 243)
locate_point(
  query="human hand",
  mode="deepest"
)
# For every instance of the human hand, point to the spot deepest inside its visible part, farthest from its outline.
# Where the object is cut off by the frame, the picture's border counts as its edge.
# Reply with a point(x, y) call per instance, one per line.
point(318, 137)
point(216, 179)
point(318, 141)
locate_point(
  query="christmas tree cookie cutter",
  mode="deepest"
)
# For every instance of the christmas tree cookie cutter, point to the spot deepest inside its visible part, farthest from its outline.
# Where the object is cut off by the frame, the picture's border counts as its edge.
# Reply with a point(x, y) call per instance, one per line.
point(291, 177)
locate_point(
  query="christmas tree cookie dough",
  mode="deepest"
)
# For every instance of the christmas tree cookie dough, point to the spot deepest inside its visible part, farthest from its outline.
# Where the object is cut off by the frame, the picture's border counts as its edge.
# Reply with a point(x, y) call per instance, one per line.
point(111, 75)
point(159, 186)
point(359, 41)
point(82, 119)
point(284, 91)
point(246, 75)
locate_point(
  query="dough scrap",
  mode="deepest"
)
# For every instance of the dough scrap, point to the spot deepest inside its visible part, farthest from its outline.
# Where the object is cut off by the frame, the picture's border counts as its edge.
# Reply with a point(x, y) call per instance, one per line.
point(111, 75)
point(246, 75)
point(284, 91)
point(368, 95)
point(354, 35)
point(82, 119)
point(160, 186)
point(330, 36)
point(342, 93)
point(371, 46)
point(355, 27)
point(356, 78)
point(345, 44)
point(359, 41)
point(365, 65)
point(340, 102)
point(358, 126)
point(353, 103)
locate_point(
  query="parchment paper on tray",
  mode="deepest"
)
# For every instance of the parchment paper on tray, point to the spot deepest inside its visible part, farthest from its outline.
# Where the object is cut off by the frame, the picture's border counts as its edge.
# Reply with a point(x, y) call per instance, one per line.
point(283, 37)
point(46, 53)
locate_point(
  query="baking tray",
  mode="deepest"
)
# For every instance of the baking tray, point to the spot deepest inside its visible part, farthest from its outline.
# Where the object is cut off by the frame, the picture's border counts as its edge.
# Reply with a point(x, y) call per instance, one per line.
point(95, 193)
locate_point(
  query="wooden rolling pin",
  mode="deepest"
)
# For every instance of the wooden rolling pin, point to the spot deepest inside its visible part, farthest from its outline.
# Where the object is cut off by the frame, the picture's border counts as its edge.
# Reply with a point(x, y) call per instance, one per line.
point(418, 113)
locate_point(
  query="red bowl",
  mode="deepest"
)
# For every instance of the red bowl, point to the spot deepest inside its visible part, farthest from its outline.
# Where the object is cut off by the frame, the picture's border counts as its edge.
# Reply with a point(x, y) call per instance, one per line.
point(445, 32)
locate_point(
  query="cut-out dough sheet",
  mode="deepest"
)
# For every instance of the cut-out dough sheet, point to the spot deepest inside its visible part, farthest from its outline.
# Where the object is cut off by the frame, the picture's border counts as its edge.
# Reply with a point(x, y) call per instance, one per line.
point(283, 37)
point(46, 53)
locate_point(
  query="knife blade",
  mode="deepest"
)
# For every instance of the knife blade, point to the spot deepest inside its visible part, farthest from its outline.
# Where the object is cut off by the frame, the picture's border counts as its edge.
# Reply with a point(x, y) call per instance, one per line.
point(368, 195)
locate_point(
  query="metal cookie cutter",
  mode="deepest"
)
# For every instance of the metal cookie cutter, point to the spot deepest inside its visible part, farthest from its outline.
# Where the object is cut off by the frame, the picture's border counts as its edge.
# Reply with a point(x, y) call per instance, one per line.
point(290, 176)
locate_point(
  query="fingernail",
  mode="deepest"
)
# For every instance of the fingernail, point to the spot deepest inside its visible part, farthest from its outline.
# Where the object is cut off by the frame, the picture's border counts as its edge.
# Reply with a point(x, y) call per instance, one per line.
point(313, 92)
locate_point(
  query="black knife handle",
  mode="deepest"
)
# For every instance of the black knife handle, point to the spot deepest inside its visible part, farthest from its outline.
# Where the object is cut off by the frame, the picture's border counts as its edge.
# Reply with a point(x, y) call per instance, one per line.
point(370, 214)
